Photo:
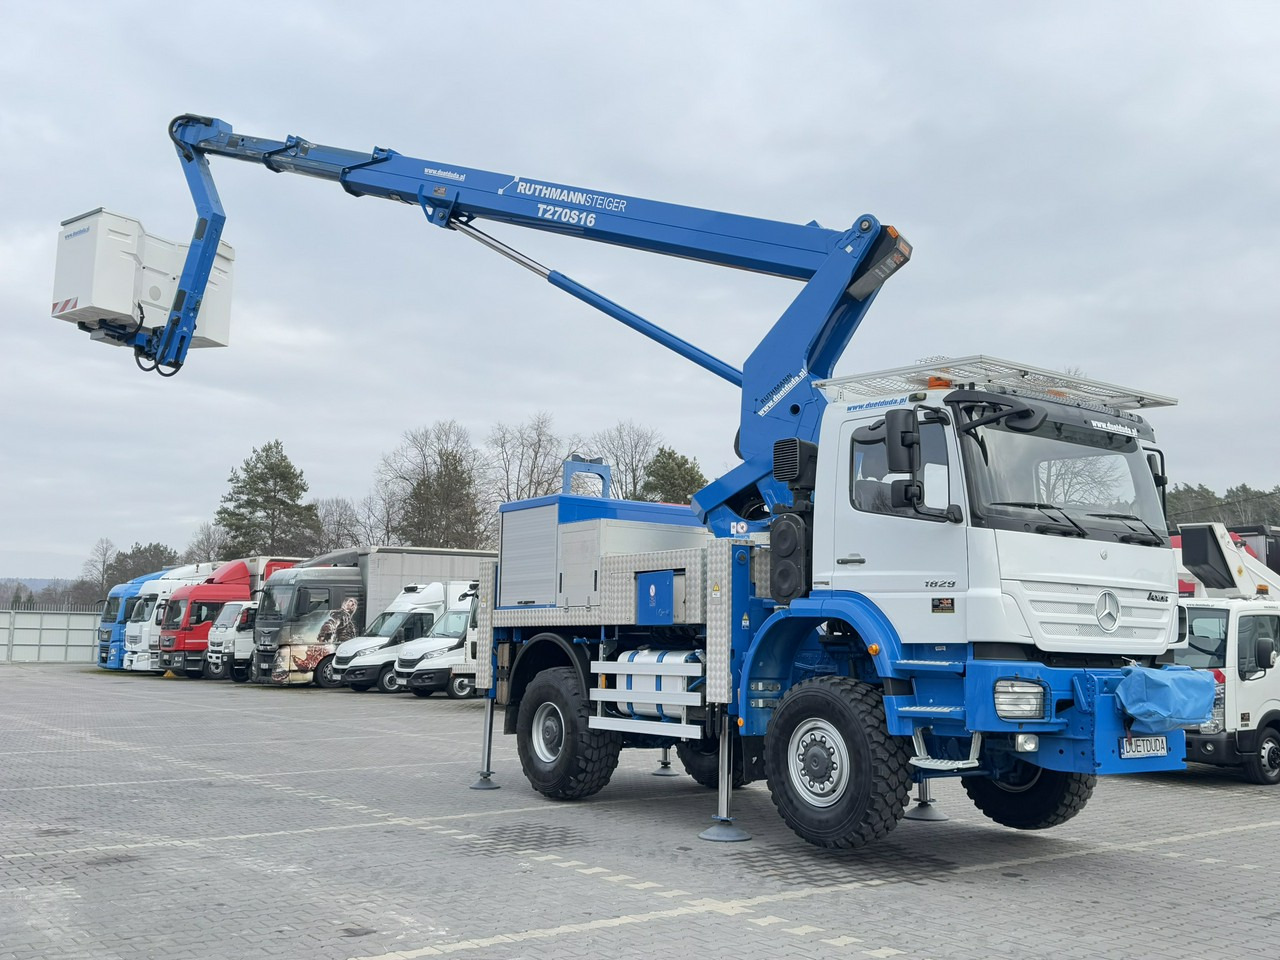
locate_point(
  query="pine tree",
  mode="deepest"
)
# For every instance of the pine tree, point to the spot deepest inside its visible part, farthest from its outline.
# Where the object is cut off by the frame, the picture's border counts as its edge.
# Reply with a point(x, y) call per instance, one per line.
point(672, 477)
point(263, 512)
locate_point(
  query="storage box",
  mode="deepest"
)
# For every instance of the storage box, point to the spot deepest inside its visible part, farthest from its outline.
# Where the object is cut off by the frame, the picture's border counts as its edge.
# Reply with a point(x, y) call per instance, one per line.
point(108, 265)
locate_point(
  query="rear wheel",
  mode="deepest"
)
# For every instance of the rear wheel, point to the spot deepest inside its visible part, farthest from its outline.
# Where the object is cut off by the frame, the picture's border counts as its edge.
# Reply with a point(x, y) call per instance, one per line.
point(324, 674)
point(701, 760)
point(1263, 765)
point(387, 682)
point(1031, 797)
point(836, 775)
point(561, 757)
point(460, 687)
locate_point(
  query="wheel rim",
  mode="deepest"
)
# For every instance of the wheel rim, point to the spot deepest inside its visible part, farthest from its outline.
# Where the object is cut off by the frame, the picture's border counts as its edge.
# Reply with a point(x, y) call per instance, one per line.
point(1024, 777)
point(388, 681)
point(462, 687)
point(1269, 757)
point(326, 672)
point(548, 732)
point(818, 763)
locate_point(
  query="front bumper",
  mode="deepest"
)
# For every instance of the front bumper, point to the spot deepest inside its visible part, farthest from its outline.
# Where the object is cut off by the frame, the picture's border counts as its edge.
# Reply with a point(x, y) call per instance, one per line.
point(182, 660)
point(359, 674)
point(1081, 732)
point(434, 679)
point(1224, 749)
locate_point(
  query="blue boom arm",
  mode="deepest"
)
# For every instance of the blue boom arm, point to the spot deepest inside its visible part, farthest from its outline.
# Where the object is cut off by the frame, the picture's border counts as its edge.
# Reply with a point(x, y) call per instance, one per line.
point(842, 271)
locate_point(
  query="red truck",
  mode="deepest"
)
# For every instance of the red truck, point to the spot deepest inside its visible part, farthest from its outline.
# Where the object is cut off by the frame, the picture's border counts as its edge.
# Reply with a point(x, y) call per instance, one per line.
point(184, 631)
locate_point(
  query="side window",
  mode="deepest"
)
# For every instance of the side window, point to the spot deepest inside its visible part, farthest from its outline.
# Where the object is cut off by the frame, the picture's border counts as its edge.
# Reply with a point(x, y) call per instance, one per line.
point(1253, 629)
point(418, 625)
point(311, 599)
point(870, 482)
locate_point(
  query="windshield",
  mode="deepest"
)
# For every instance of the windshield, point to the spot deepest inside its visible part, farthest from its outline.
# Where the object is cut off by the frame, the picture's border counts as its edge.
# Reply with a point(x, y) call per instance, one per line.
point(453, 624)
point(111, 611)
point(1064, 478)
point(228, 616)
point(173, 613)
point(204, 611)
point(386, 624)
point(1206, 639)
point(142, 609)
point(275, 602)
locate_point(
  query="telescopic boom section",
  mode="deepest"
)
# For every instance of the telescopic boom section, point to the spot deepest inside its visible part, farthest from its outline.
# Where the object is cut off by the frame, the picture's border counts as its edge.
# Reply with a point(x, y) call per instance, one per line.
point(842, 272)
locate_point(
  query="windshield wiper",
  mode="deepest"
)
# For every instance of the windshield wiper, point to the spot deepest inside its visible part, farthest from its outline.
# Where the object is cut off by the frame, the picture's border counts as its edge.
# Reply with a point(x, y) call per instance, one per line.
point(1057, 527)
point(1150, 538)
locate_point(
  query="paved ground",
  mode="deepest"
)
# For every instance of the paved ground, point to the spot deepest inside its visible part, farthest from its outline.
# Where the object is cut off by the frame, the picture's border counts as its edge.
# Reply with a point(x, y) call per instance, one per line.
point(143, 817)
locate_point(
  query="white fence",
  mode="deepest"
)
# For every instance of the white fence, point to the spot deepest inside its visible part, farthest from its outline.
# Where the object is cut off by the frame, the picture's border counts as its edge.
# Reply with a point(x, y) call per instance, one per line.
point(48, 636)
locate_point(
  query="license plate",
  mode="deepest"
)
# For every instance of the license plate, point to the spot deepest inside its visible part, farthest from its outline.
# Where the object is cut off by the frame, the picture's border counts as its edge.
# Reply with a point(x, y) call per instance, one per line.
point(1132, 748)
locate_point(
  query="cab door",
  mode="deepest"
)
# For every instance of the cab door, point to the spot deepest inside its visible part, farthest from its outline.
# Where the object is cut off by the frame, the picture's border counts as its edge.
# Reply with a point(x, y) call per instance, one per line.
point(915, 568)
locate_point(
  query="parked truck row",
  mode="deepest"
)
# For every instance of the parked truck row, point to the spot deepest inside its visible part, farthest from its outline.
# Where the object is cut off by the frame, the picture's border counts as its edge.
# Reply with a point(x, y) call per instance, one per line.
point(290, 621)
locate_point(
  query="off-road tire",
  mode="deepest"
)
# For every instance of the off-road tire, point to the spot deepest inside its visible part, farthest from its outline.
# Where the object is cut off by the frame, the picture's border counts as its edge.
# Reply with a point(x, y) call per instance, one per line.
point(835, 774)
point(460, 687)
point(324, 674)
point(1263, 765)
point(701, 760)
point(561, 757)
point(1033, 799)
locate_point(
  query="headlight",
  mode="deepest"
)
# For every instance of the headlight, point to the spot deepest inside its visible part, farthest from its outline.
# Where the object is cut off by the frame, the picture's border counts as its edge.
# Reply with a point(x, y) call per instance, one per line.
point(434, 654)
point(1019, 700)
point(1216, 721)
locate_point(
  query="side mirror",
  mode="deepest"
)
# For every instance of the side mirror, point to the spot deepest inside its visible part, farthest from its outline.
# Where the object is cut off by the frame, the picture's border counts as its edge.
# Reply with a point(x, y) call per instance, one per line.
point(902, 441)
point(906, 493)
point(1264, 652)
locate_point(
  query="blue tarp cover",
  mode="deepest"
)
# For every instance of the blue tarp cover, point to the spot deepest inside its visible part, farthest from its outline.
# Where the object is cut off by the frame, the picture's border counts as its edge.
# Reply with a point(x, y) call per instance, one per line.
point(1166, 699)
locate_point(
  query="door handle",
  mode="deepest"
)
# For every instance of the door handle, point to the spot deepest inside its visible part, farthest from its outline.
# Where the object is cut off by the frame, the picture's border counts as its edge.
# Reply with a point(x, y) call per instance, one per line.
point(852, 558)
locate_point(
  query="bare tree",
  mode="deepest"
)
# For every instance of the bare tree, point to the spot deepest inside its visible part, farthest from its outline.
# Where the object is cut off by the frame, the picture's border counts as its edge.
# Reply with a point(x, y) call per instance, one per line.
point(96, 569)
point(209, 543)
point(525, 459)
point(628, 448)
point(339, 524)
point(376, 515)
point(434, 481)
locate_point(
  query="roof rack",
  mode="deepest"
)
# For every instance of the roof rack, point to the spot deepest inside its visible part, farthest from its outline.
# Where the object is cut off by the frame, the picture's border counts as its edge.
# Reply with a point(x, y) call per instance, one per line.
point(983, 371)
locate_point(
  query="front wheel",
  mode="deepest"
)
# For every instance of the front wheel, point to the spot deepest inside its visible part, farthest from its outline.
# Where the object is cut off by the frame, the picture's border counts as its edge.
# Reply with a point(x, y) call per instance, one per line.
point(835, 774)
point(1263, 765)
point(419, 692)
point(460, 687)
point(324, 674)
point(216, 673)
point(239, 674)
point(562, 758)
point(1031, 797)
point(194, 674)
point(387, 682)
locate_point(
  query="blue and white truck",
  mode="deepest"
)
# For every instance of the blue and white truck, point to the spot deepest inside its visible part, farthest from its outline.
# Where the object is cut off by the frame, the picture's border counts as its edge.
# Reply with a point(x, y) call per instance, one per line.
point(956, 569)
point(116, 612)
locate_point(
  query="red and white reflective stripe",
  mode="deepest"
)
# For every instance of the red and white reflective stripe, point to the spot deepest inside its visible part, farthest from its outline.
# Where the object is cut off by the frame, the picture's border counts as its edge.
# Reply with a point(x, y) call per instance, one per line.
point(65, 305)
point(1219, 675)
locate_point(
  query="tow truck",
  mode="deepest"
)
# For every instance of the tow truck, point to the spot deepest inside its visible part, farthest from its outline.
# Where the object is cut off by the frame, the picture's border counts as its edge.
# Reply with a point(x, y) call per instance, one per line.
point(957, 569)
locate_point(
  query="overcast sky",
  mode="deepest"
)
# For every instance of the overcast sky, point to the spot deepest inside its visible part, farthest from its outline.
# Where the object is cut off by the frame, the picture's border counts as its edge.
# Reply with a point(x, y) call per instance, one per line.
point(1087, 185)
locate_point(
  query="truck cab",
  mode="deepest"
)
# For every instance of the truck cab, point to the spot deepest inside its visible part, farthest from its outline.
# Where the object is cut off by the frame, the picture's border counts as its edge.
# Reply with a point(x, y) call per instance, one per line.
point(1235, 641)
point(117, 611)
point(230, 645)
point(142, 633)
point(446, 658)
point(368, 661)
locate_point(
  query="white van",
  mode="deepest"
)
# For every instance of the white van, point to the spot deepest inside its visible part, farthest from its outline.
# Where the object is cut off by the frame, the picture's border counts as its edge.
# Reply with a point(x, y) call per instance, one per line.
point(445, 658)
point(368, 661)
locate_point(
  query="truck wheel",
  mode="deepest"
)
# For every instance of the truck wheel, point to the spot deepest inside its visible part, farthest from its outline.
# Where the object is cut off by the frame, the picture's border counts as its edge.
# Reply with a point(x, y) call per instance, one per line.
point(387, 682)
point(255, 671)
point(1031, 798)
point(701, 760)
point(420, 692)
point(216, 673)
point(561, 757)
point(324, 674)
point(1263, 765)
point(460, 687)
point(239, 674)
point(361, 687)
point(194, 674)
point(836, 775)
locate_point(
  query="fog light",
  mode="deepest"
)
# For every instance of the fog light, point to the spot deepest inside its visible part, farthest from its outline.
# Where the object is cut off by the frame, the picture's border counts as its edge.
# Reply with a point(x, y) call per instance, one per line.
point(1019, 700)
point(1026, 743)
point(1208, 748)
